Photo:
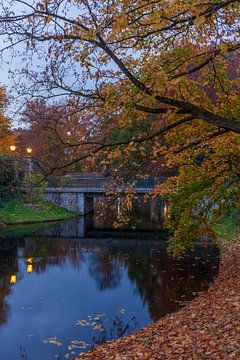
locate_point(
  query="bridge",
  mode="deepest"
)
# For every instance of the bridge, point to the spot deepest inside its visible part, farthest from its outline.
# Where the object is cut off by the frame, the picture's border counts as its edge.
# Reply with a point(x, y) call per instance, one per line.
point(76, 191)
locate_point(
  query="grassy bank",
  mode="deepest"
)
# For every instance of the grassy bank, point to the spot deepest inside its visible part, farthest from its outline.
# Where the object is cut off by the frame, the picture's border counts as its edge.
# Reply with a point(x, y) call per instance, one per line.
point(228, 231)
point(228, 228)
point(18, 211)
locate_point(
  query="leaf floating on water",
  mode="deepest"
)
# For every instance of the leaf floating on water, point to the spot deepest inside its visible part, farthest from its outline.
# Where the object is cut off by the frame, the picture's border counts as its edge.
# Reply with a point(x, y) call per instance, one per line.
point(53, 340)
point(98, 327)
point(78, 344)
point(82, 323)
point(98, 317)
point(122, 311)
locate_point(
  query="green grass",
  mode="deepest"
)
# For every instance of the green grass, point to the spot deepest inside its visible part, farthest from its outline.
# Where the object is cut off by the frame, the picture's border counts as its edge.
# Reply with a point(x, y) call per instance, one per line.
point(228, 229)
point(17, 230)
point(17, 211)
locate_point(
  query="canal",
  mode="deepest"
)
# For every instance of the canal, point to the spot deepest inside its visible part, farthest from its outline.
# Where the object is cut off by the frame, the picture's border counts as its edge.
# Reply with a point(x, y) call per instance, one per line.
point(66, 287)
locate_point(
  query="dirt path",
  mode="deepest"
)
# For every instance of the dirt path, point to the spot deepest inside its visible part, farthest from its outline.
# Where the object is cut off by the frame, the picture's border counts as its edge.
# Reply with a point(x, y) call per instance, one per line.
point(207, 328)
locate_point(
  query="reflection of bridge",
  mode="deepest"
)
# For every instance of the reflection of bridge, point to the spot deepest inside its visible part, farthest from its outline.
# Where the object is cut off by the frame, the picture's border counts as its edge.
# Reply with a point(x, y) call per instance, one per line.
point(76, 191)
point(77, 229)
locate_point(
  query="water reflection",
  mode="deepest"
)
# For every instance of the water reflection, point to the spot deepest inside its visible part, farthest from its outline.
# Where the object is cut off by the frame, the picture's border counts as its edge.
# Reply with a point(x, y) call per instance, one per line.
point(140, 212)
point(49, 281)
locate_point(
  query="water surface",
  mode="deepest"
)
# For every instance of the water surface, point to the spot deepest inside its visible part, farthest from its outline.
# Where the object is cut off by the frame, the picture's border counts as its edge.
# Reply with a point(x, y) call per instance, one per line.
point(64, 289)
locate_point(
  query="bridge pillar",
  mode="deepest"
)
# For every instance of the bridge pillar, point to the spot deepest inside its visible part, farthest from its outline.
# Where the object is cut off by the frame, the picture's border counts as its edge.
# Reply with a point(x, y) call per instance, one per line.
point(72, 200)
point(80, 203)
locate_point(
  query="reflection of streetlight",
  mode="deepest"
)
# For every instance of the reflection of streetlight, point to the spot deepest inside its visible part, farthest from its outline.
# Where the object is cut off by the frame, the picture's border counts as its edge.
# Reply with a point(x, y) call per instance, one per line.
point(29, 268)
point(13, 279)
point(29, 265)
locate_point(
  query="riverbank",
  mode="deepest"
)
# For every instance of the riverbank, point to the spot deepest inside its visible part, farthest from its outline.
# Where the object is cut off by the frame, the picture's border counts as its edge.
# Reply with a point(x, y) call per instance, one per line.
point(207, 328)
point(19, 211)
point(228, 231)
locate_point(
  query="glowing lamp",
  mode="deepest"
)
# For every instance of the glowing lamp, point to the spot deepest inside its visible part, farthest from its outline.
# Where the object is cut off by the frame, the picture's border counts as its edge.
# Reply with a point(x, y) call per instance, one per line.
point(29, 150)
point(13, 279)
point(165, 211)
point(12, 148)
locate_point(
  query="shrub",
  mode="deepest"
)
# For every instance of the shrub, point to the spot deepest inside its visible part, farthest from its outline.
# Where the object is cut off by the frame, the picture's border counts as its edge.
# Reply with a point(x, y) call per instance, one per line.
point(8, 179)
point(34, 186)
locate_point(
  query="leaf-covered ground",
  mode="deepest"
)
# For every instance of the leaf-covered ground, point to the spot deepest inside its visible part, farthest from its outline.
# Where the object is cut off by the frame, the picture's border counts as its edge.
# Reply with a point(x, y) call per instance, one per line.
point(207, 328)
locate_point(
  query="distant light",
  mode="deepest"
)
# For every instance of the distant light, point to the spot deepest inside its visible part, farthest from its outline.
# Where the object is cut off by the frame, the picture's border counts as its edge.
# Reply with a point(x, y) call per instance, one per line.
point(12, 148)
point(13, 279)
point(29, 150)
point(165, 211)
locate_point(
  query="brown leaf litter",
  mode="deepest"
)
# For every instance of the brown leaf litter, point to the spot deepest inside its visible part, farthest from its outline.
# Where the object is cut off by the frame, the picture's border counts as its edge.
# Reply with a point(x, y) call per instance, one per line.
point(208, 328)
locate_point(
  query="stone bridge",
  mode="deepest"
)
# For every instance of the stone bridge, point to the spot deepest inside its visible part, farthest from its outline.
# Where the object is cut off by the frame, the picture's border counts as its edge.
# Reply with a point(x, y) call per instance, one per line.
point(79, 190)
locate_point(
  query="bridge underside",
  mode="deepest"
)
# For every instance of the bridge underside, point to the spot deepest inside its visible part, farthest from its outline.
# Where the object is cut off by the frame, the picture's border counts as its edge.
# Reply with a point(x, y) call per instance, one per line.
point(76, 191)
point(80, 200)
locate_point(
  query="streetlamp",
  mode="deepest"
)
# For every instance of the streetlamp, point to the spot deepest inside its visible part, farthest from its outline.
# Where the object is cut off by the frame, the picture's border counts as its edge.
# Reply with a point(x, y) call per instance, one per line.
point(29, 151)
point(12, 148)
point(29, 159)
point(15, 163)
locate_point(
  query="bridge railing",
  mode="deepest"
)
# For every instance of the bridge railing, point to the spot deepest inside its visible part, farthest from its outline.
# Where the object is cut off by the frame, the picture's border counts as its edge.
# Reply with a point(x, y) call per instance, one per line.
point(100, 183)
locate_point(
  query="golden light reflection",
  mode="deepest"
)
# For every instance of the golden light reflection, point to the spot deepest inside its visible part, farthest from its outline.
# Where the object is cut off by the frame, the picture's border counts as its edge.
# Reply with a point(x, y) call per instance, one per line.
point(29, 268)
point(129, 205)
point(29, 265)
point(165, 212)
point(29, 150)
point(13, 279)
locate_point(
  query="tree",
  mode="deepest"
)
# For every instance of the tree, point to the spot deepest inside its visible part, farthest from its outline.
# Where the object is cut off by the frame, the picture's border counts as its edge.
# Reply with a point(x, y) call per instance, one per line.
point(7, 173)
point(5, 134)
point(173, 64)
point(50, 129)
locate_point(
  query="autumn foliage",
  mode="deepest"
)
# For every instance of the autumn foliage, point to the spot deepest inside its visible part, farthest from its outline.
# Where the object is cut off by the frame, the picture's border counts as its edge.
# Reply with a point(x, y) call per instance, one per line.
point(5, 135)
point(160, 82)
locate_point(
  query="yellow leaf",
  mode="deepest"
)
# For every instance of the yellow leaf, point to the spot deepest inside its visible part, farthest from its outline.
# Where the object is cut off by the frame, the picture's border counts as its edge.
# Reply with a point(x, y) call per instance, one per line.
point(48, 19)
point(41, 6)
point(199, 21)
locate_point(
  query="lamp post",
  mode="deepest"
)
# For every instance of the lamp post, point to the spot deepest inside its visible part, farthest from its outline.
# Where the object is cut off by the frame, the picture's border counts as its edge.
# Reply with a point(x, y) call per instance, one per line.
point(29, 151)
point(15, 164)
point(29, 159)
